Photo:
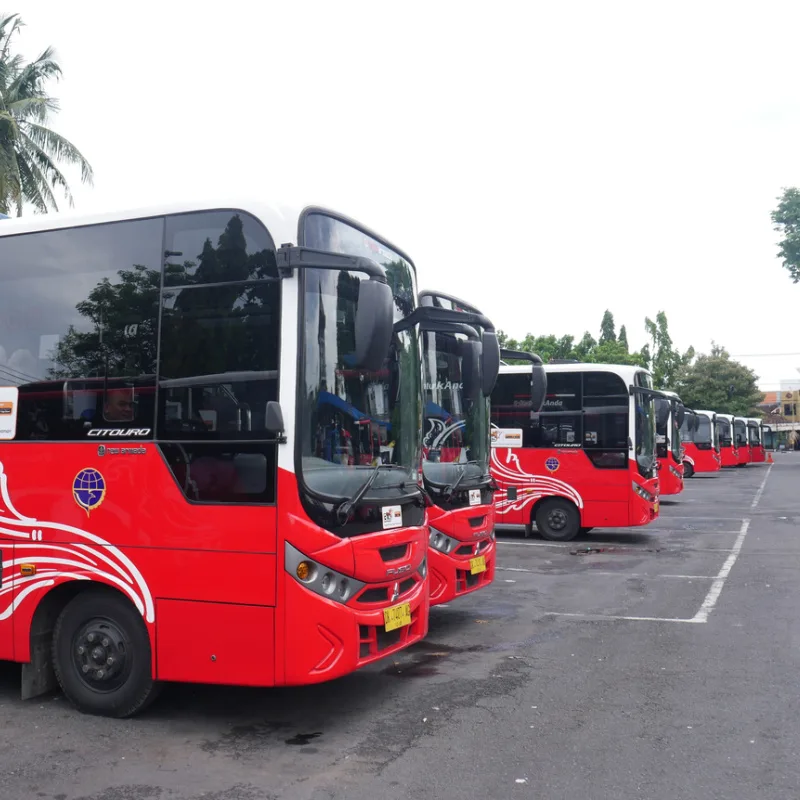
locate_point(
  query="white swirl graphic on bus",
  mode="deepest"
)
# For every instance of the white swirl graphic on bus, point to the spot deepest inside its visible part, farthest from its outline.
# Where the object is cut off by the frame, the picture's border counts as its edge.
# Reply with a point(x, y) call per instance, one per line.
point(56, 562)
point(530, 488)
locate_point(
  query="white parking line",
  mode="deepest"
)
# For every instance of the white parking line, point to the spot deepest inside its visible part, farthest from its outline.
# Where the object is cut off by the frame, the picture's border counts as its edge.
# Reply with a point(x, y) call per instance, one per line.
point(716, 588)
point(761, 489)
point(714, 591)
point(606, 617)
point(609, 572)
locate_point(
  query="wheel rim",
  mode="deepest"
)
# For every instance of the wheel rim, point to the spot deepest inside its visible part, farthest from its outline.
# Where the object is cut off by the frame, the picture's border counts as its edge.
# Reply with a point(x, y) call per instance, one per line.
point(100, 655)
point(557, 520)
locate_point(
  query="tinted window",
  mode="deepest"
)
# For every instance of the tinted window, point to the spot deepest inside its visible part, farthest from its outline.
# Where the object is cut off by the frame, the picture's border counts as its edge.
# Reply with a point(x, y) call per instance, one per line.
point(588, 410)
point(511, 404)
point(219, 357)
point(217, 247)
point(78, 326)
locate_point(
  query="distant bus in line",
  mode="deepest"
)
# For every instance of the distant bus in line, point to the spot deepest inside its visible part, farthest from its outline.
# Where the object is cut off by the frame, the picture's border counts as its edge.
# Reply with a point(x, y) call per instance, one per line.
point(586, 460)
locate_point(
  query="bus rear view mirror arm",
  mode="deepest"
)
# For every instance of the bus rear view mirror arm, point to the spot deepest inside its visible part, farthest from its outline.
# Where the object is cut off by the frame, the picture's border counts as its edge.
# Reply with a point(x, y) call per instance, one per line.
point(538, 375)
point(490, 355)
point(374, 313)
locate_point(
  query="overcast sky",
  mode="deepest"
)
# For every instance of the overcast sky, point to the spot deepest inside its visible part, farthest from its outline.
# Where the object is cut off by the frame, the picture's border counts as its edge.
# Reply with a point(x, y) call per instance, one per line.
point(544, 160)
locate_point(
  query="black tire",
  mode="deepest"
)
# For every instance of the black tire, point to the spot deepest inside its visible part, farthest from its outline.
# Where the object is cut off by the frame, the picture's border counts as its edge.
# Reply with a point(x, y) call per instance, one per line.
point(688, 470)
point(94, 627)
point(557, 520)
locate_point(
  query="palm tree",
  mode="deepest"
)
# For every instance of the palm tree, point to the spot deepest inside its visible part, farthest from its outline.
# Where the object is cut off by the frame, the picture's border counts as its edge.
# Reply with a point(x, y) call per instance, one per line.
point(29, 149)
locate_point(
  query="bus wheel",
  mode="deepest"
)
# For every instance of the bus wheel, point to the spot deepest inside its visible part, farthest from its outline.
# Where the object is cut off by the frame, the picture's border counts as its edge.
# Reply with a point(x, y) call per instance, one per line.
point(688, 470)
point(558, 520)
point(101, 655)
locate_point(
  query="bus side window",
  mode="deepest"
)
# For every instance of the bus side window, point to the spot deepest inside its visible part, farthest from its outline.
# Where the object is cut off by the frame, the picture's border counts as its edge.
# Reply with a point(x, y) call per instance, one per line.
point(219, 357)
point(95, 290)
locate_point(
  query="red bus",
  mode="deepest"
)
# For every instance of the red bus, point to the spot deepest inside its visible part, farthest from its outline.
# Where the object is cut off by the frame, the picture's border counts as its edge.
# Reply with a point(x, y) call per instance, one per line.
point(460, 360)
point(210, 464)
point(669, 416)
point(700, 444)
point(757, 453)
point(741, 441)
point(728, 451)
point(586, 460)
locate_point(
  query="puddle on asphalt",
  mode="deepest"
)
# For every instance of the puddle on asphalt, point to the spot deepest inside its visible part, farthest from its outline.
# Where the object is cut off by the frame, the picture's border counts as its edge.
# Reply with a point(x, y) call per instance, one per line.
point(613, 550)
point(303, 738)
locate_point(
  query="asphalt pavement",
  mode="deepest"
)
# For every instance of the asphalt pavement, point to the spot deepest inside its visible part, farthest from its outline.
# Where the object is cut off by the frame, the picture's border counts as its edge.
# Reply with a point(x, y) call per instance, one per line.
point(655, 663)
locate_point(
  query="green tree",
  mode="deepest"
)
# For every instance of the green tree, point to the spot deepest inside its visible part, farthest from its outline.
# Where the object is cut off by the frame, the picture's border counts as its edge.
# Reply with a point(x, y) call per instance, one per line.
point(623, 338)
point(616, 353)
point(30, 150)
point(584, 347)
point(667, 361)
point(786, 218)
point(718, 383)
point(607, 331)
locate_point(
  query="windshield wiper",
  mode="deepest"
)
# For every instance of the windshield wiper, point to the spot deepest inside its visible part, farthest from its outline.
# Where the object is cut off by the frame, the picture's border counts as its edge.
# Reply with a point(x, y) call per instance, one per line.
point(450, 490)
point(346, 507)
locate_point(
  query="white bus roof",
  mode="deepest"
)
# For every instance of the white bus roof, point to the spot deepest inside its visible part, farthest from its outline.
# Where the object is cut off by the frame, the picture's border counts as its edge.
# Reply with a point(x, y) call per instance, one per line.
point(625, 371)
point(705, 412)
point(281, 220)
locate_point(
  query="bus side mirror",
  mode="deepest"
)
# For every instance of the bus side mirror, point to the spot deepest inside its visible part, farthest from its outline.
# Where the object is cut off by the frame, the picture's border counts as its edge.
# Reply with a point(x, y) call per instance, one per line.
point(681, 413)
point(374, 324)
point(471, 357)
point(662, 412)
point(538, 388)
point(490, 361)
point(273, 420)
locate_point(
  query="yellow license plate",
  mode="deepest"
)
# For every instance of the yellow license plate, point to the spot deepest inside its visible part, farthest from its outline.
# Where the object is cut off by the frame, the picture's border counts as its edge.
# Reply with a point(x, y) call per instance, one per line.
point(655, 506)
point(396, 617)
point(477, 565)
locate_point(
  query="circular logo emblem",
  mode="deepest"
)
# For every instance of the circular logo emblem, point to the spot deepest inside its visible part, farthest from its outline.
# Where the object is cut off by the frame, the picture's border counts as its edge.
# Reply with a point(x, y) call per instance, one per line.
point(89, 489)
point(552, 464)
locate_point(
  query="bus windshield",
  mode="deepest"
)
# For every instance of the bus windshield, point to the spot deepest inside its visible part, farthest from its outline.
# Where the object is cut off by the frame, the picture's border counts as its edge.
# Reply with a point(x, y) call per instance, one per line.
point(645, 432)
point(755, 434)
point(724, 432)
point(455, 425)
point(703, 433)
point(352, 421)
point(675, 436)
point(739, 432)
point(686, 434)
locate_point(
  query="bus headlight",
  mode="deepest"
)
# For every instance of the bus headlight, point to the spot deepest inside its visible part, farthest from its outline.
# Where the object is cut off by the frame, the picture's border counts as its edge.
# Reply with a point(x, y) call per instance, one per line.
point(642, 492)
point(441, 541)
point(320, 579)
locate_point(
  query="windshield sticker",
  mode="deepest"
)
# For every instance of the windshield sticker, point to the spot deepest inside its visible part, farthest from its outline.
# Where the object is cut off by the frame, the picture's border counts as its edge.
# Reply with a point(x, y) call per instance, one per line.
point(506, 437)
point(392, 517)
point(9, 403)
point(474, 497)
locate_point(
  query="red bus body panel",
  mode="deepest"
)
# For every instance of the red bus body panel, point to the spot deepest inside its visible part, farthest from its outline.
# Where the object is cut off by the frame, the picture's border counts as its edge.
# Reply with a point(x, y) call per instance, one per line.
point(604, 497)
point(744, 454)
point(759, 454)
point(208, 579)
point(670, 476)
point(729, 457)
point(701, 459)
point(449, 573)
